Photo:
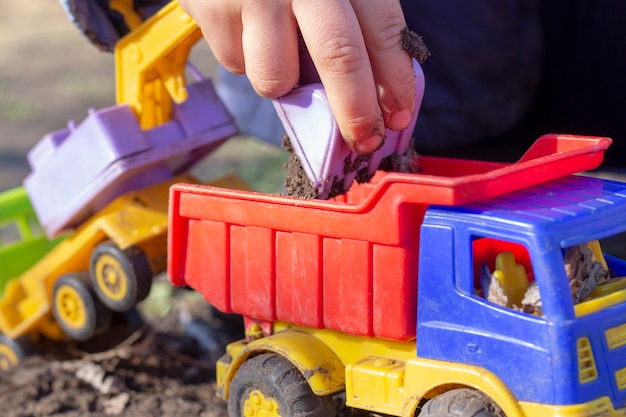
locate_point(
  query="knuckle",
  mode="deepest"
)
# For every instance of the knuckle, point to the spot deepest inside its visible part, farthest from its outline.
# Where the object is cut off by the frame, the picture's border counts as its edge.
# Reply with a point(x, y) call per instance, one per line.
point(231, 59)
point(198, 8)
point(184, 5)
point(235, 68)
point(387, 37)
point(366, 125)
point(272, 87)
point(340, 55)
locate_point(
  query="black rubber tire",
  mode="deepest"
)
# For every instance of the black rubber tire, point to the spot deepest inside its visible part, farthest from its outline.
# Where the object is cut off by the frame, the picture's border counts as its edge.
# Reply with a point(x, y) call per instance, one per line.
point(12, 352)
point(131, 319)
point(72, 297)
point(462, 402)
point(130, 270)
point(277, 378)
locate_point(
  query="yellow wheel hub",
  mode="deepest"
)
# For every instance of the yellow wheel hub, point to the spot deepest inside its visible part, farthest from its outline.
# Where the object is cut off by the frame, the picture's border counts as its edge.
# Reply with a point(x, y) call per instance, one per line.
point(8, 357)
point(256, 405)
point(70, 307)
point(111, 278)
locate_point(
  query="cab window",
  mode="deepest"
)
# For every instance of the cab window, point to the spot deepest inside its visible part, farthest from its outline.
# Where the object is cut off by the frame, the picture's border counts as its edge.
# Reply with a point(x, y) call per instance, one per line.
point(10, 234)
point(503, 275)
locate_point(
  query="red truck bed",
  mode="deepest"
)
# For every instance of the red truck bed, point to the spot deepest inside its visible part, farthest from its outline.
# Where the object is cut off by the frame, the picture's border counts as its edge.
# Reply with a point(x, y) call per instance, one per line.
point(326, 264)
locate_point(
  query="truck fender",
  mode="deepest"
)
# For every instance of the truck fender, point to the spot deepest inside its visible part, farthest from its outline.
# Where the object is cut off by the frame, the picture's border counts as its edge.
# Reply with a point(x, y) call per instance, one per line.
point(319, 365)
point(436, 377)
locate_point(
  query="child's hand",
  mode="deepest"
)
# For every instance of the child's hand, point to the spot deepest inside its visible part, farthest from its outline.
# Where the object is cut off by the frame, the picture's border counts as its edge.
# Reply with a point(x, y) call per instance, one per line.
point(355, 46)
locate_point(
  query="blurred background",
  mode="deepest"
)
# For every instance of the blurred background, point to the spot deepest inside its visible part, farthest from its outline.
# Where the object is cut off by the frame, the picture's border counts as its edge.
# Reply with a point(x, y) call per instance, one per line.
point(50, 74)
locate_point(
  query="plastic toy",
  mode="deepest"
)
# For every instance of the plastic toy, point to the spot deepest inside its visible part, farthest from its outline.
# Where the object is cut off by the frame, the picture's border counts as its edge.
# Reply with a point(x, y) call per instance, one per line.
point(22, 244)
point(22, 240)
point(317, 143)
point(104, 185)
point(315, 138)
point(105, 266)
point(391, 294)
point(158, 129)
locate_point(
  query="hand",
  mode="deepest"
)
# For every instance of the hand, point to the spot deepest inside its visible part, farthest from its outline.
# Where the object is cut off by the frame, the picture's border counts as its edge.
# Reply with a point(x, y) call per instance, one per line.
point(354, 44)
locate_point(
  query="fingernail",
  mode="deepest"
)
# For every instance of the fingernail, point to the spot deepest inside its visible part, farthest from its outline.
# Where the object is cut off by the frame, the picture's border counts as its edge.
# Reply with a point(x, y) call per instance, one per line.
point(400, 120)
point(368, 145)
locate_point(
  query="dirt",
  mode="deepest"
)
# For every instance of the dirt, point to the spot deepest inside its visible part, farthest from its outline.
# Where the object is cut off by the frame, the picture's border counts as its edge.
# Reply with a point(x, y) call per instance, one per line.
point(297, 183)
point(409, 162)
point(163, 365)
point(414, 45)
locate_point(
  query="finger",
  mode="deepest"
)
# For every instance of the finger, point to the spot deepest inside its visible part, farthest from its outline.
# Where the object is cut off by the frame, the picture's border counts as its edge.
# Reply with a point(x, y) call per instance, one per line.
point(221, 26)
point(270, 46)
point(333, 37)
point(382, 22)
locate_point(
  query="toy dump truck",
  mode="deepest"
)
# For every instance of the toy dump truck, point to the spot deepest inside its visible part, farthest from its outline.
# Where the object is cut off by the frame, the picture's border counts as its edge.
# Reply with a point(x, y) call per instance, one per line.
point(106, 265)
point(69, 287)
point(471, 288)
point(22, 239)
point(22, 243)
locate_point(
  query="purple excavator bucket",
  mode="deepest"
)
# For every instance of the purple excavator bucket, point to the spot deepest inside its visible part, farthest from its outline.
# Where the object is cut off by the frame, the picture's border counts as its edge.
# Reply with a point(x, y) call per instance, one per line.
point(79, 170)
point(315, 138)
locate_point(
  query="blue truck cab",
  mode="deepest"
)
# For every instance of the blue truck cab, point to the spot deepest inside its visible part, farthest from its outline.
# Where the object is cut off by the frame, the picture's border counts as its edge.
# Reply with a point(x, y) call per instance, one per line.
point(564, 345)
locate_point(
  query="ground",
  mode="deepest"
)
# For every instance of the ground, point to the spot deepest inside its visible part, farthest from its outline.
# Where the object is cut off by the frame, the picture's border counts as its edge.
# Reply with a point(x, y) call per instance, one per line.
point(160, 366)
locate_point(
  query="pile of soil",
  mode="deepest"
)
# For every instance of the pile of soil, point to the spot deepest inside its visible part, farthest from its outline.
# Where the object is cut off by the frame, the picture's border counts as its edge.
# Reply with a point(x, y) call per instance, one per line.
point(140, 367)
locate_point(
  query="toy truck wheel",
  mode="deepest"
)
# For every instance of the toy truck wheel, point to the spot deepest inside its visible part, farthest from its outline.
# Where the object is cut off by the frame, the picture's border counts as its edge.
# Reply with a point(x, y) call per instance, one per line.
point(12, 352)
point(77, 309)
point(121, 278)
point(462, 402)
point(270, 385)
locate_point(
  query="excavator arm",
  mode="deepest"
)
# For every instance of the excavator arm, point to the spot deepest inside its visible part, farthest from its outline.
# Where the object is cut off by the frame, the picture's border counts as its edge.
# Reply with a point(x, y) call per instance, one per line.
point(150, 61)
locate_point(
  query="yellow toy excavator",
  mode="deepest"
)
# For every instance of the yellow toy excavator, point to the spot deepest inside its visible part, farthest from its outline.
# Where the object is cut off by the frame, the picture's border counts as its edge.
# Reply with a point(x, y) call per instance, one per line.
point(103, 186)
